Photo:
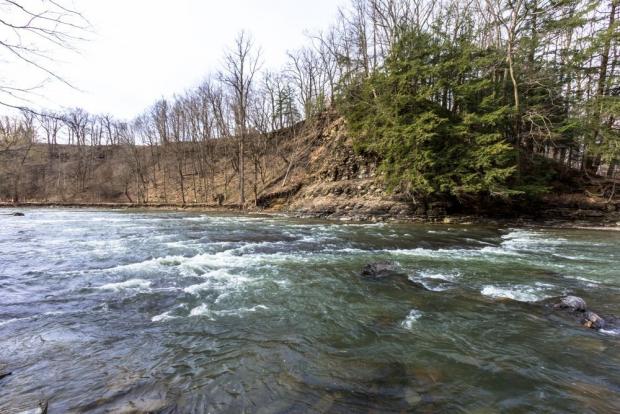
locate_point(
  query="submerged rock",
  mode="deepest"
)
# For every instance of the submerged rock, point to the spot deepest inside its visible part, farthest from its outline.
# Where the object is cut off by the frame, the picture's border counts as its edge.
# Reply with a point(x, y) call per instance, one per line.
point(593, 321)
point(429, 284)
point(4, 374)
point(578, 308)
point(412, 397)
point(18, 214)
point(418, 284)
point(572, 303)
point(379, 270)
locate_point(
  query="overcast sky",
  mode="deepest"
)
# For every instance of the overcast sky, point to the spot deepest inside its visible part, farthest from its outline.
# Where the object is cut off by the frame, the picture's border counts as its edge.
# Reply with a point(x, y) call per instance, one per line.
point(141, 50)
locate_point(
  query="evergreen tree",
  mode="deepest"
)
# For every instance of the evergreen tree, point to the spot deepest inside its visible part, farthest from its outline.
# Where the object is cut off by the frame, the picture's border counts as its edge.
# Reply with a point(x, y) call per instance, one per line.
point(432, 115)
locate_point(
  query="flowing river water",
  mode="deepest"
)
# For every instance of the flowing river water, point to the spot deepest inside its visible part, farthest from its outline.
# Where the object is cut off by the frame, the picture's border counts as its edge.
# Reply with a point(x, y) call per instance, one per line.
point(112, 311)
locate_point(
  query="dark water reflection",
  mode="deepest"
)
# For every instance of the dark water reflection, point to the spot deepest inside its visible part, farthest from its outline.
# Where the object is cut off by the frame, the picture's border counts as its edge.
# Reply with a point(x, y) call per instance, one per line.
point(107, 311)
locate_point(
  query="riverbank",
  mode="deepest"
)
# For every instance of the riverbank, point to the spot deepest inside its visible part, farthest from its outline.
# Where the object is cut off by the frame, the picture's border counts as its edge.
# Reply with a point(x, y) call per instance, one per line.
point(319, 176)
point(578, 219)
point(154, 206)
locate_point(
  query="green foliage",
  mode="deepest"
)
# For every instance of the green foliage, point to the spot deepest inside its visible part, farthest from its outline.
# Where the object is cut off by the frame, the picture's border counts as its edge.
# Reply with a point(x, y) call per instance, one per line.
point(606, 142)
point(285, 111)
point(433, 117)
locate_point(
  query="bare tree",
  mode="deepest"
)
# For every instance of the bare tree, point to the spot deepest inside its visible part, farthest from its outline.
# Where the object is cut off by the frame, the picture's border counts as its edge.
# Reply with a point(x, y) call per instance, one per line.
point(17, 136)
point(306, 72)
point(31, 33)
point(77, 121)
point(50, 123)
point(241, 63)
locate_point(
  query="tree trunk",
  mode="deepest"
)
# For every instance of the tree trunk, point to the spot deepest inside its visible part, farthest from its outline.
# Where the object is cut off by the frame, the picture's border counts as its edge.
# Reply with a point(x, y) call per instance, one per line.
point(611, 170)
point(241, 174)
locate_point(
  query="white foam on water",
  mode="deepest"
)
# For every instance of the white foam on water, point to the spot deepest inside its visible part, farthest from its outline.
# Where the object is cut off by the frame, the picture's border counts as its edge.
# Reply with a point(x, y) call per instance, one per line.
point(526, 240)
point(149, 264)
point(251, 247)
point(220, 280)
point(240, 311)
point(128, 219)
point(570, 257)
point(411, 318)
point(364, 225)
point(589, 282)
point(347, 250)
point(425, 276)
point(205, 311)
point(196, 289)
point(521, 293)
point(469, 239)
point(199, 218)
point(227, 220)
point(316, 238)
point(448, 277)
point(612, 332)
point(203, 263)
point(131, 284)
point(456, 254)
point(223, 297)
point(495, 250)
point(230, 259)
point(104, 247)
point(183, 244)
point(441, 287)
point(201, 310)
point(54, 313)
point(9, 321)
point(162, 317)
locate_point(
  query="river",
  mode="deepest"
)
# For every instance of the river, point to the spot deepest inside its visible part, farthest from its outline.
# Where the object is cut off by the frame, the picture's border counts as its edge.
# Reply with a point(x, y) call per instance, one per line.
point(115, 311)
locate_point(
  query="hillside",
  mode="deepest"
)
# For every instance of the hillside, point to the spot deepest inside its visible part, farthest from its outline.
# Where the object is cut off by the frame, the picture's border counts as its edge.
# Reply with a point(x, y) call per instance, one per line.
point(310, 170)
point(331, 180)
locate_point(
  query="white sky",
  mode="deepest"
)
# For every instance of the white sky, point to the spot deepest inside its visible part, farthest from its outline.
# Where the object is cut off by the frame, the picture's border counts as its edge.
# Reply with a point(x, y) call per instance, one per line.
point(142, 50)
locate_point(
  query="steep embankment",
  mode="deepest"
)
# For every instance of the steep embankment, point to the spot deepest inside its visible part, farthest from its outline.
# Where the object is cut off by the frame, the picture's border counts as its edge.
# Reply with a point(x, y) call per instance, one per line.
point(328, 179)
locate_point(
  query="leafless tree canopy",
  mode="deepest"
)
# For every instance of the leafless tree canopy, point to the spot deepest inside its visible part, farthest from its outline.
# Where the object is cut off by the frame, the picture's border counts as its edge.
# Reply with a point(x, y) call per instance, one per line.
point(31, 32)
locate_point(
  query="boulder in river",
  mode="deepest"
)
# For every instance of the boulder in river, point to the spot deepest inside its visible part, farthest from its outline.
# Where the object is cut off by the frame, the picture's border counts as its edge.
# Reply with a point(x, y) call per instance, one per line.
point(593, 321)
point(576, 306)
point(379, 270)
point(4, 374)
point(572, 303)
point(18, 214)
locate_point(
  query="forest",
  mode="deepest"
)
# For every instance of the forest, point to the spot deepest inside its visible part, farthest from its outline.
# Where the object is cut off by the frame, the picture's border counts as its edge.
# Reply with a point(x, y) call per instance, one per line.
point(457, 99)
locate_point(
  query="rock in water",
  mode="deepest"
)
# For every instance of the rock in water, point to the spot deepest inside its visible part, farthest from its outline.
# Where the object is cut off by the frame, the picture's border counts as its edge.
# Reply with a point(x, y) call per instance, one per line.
point(379, 270)
point(18, 214)
point(593, 321)
point(572, 303)
point(577, 305)
point(4, 374)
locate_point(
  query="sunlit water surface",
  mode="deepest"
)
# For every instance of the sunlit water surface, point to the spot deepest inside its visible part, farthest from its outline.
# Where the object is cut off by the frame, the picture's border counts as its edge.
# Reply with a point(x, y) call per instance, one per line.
point(109, 311)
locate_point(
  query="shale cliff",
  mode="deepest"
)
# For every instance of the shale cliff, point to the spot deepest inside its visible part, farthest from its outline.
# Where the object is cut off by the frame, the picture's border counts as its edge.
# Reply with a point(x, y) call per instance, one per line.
point(329, 179)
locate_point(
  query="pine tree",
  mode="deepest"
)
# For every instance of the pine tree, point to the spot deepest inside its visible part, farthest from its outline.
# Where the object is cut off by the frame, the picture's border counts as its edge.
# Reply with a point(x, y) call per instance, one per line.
point(432, 116)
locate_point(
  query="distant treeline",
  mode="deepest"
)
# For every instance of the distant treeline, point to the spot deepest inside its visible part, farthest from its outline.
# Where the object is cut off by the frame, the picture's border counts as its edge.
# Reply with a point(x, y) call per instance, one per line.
point(457, 98)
